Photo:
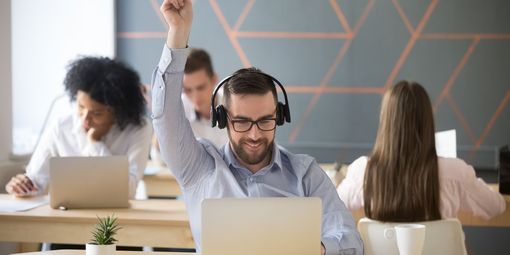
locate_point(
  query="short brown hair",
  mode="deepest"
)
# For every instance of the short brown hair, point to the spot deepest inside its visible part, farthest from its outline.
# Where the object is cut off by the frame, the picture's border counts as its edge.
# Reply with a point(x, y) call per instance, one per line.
point(248, 81)
point(197, 60)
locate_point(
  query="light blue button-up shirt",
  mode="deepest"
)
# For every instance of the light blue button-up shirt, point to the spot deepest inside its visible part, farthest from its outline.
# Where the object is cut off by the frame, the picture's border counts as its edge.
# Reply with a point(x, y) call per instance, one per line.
point(203, 171)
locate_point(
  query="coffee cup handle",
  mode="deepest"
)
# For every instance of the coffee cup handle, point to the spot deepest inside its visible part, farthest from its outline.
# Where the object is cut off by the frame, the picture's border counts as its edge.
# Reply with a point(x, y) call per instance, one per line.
point(389, 233)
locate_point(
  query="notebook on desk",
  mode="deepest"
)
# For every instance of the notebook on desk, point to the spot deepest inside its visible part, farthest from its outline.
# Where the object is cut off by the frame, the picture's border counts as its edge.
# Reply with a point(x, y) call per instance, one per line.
point(254, 226)
point(89, 182)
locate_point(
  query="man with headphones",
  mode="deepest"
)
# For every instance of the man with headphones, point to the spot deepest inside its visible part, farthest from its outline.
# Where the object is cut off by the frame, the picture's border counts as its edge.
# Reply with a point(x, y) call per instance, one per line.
point(251, 164)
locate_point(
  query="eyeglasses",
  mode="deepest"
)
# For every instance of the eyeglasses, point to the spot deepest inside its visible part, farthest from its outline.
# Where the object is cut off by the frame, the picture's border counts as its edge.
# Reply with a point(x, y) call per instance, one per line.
point(245, 125)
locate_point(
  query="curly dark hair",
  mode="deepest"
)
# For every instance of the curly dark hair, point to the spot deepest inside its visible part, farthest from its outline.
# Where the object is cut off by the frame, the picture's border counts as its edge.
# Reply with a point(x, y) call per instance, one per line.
point(111, 83)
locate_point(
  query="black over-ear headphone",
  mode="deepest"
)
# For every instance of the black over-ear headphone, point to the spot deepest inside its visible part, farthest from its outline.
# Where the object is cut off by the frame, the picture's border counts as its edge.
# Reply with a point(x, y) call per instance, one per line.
point(219, 113)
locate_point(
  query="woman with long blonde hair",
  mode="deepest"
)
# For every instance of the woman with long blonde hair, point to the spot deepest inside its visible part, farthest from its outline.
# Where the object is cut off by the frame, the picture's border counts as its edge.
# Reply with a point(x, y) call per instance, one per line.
point(404, 180)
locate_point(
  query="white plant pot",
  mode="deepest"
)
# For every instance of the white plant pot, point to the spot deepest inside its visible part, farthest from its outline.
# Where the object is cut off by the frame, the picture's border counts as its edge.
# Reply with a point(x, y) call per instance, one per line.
point(93, 249)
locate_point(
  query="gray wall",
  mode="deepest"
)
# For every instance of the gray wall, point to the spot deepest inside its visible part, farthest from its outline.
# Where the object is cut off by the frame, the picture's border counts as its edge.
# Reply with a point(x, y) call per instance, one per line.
point(5, 98)
point(336, 58)
point(5, 80)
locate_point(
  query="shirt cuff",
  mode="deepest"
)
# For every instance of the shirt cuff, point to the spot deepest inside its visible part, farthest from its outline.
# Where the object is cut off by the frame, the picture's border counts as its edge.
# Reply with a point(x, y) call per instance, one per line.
point(173, 60)
point(39, 182)
point(332, 247)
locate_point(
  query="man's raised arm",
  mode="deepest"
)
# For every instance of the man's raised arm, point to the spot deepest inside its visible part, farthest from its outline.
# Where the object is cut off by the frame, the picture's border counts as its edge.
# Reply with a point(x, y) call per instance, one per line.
point(180, 150)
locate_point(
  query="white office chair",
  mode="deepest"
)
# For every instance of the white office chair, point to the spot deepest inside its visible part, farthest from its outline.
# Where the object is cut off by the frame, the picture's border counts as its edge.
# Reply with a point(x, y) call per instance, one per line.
point(441, 237)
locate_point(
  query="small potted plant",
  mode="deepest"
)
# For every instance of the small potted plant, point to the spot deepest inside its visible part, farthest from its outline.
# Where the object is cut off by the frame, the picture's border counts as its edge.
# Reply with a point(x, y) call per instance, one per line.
point(103, 241)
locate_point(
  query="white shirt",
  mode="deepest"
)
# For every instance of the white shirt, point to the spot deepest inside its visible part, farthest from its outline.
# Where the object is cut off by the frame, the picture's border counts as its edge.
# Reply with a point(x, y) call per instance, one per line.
point(68, 138)
point(202, 127)
point(460, 189)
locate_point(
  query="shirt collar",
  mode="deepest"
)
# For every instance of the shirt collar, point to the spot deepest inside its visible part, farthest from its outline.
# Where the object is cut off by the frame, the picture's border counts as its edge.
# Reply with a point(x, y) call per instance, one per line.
point(77, 127)
point(274, 164)
point(193, 115)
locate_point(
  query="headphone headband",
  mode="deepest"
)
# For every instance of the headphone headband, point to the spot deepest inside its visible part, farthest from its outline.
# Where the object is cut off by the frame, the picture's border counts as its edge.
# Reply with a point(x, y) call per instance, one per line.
point(216, 116)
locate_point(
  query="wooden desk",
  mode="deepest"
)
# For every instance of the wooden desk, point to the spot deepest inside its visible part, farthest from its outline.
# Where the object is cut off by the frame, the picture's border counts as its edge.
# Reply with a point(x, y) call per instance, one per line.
point(164, 184)
point(156, 223)
point(82, 252)
point(161, 184)
point(327, 166)
point(502, 220)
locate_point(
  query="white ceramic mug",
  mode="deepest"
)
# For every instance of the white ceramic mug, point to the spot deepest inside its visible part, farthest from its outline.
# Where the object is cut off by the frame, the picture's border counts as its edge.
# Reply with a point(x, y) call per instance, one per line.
point(410, 238)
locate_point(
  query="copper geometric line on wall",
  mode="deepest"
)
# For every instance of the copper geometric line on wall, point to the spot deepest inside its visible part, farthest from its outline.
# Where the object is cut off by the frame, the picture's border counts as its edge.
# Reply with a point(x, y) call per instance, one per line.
point(324, 87)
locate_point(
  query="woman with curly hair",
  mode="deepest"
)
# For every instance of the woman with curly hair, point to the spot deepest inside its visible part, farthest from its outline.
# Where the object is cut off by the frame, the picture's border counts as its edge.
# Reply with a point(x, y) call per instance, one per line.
point(109, 119)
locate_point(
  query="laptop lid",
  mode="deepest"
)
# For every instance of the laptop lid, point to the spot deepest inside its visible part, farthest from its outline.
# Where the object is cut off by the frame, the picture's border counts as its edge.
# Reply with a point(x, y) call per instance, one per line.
point(446, 143)
point(254, 226)
point(89, 182)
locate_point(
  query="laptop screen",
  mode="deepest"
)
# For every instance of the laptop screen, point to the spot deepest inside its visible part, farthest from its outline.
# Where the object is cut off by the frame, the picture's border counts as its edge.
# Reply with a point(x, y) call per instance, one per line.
point(89, 182)
point(252, 226)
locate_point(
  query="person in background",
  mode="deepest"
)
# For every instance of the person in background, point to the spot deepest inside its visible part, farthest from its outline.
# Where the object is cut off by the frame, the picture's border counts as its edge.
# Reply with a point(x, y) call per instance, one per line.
point(251, 164)
point(404, 180)
point(108, 118)
point(198, 83)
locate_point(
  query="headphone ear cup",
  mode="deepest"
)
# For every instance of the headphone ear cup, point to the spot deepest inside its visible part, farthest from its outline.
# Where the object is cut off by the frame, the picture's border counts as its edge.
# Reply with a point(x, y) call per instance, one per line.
point(214, 117)
point(221, 116)
point(286, 111)
point(280, 115)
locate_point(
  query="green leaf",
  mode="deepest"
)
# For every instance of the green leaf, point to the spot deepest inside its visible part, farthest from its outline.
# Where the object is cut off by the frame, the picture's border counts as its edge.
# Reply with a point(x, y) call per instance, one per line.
point(105, 231)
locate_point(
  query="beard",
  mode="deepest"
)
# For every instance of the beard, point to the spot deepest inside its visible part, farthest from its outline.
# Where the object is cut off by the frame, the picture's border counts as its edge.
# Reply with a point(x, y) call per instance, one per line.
point(266, 149)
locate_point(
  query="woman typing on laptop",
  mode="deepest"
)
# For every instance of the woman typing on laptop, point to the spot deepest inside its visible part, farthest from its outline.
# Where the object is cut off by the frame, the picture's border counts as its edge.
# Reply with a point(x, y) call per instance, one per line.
point(108, 119)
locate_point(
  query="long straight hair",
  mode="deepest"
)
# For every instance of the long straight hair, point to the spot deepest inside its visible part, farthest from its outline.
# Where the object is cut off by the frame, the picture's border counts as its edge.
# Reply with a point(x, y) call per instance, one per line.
point(402, 179)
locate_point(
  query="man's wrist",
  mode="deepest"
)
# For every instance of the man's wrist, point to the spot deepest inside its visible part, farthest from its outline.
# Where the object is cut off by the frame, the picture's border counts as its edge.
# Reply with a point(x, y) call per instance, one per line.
point(177, 38)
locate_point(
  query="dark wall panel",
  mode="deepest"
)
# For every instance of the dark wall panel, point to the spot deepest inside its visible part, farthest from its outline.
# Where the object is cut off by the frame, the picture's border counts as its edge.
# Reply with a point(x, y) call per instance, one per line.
point(337, 58)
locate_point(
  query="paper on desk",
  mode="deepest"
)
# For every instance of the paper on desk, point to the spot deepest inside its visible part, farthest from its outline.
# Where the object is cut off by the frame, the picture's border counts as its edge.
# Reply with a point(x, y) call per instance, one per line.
point(13, 204)
point(151, 170)
point(446, 143)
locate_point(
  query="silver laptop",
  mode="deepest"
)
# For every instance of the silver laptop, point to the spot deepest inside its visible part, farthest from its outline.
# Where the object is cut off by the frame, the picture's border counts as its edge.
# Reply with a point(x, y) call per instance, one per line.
point(89, 182)
point(255, 226)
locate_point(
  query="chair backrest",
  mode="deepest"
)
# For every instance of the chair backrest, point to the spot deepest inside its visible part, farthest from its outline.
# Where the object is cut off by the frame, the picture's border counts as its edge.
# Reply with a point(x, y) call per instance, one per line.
point(441, 237)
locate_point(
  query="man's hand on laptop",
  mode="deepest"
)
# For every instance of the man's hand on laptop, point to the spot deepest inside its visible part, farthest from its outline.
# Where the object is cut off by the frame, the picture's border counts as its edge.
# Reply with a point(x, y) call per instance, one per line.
point(20, 185)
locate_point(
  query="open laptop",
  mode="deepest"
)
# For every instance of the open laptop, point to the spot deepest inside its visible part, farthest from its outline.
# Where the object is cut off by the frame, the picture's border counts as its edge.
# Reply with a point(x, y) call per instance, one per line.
point(254, 226)
point(89, 182)
point(446, 143)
